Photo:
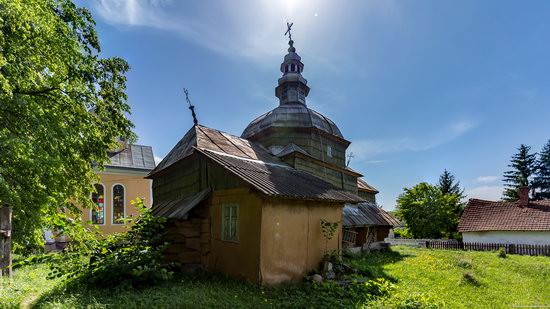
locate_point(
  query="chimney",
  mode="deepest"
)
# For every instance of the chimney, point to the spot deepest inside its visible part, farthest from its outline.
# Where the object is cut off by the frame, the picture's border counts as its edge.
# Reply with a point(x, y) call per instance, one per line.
point(523, 196)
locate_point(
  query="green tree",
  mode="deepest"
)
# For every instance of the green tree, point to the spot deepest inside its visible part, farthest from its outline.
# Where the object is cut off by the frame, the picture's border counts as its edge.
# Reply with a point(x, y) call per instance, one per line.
point(427, 212)
point(541, 181)
point(523, 166)
point(61, 108)
point(449, 186)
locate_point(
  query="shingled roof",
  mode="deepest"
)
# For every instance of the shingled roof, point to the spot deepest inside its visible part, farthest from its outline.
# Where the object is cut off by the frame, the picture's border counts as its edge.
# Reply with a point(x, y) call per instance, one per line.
point(481, 215)
point(254, 165)
point(362, 185)
point(367, 214)
point(134, 157)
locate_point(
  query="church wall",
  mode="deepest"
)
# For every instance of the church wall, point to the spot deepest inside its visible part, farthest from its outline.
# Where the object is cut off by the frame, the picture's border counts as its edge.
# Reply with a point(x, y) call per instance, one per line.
point(311, 142)
point(190, 176)
point(239, 259)
point(134, 186)
point(181, 181)
point(292, 242)
point(371, 197)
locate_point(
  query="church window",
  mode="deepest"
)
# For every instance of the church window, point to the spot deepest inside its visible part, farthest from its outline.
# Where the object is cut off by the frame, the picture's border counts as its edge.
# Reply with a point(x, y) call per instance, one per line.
point(301, 95)
point(292, 67)
point(98, 198)
point(230, 222)
point(118, 204)
point(329, 151)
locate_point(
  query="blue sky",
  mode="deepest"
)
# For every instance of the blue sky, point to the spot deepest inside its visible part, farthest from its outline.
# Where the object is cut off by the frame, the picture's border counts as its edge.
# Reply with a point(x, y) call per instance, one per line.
point(416, 86)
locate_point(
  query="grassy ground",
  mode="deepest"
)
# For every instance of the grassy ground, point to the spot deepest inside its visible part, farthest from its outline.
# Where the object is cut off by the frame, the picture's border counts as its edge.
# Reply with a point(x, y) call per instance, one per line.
point(420, 277)
point(438, 276)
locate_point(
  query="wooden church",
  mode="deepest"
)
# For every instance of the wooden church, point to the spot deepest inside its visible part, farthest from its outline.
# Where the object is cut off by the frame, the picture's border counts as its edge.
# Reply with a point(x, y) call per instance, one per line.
point(251, 206)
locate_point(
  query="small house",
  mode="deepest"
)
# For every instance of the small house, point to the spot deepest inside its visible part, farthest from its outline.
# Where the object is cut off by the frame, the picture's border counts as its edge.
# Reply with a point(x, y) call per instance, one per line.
point(521, 222)
point(235, 208)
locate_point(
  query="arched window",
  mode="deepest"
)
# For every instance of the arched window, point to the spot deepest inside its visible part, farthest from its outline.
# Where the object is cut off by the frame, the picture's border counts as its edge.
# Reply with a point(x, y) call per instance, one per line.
point(292, 67)
point(98, 198)
point(118, 204)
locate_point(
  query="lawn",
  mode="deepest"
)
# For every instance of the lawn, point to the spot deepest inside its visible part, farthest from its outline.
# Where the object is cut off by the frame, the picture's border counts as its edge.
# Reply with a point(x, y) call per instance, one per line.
point(418, 275)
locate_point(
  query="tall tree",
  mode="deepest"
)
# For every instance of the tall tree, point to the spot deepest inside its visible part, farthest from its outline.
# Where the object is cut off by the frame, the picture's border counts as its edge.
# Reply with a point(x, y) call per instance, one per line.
point(541, 181)
point(523, 166)
point(61, 108)
point(449, 186)
point(427, 212)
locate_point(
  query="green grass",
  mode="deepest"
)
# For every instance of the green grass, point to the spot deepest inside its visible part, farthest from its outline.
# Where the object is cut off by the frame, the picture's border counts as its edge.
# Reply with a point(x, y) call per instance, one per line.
point(438, 275)
point(420, 276)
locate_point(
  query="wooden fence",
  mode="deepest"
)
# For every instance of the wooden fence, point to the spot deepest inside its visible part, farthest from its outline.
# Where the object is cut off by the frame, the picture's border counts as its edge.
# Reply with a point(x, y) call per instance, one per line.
point(5, 241)
point(475, 246)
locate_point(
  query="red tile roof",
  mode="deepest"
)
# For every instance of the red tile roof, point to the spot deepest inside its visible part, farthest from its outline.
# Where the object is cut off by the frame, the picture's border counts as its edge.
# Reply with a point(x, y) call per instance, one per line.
point(481, 215)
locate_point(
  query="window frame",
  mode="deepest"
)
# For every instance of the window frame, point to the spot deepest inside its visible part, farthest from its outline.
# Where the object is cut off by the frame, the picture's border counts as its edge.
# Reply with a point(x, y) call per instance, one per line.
point(329, 151)
point(113, 204)
point(229, 206)
point(104, 205)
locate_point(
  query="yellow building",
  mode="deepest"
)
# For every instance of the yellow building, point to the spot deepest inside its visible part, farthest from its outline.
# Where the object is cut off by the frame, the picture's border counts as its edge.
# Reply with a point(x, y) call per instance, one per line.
point(121, 182)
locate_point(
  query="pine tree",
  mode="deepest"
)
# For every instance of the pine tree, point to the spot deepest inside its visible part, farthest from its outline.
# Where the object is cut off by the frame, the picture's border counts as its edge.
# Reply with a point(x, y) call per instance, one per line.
point(449, 187)
point(524, 165)
point(541, 181)
point(447, 184)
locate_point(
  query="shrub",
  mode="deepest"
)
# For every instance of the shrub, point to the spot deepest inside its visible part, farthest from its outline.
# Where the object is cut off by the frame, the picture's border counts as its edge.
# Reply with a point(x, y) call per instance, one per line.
point(131, 258)
point(501, 253)
point(469, 278)
point(464, 263)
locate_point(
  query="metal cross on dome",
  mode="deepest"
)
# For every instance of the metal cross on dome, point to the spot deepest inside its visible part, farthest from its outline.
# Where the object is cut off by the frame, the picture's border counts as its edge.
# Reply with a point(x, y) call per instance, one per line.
point(289, 26)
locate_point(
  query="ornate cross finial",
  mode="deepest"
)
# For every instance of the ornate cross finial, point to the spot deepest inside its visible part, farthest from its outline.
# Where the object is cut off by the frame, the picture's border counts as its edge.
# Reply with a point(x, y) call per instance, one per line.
point(289, 26)
point(191, 107)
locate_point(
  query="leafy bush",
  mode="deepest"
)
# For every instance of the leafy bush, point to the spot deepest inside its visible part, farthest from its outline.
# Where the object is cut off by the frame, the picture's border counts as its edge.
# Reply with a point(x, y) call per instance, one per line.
point(469, 278)
point(464, 263)
point(131, 258)
point(501, 253)
point(402, 233)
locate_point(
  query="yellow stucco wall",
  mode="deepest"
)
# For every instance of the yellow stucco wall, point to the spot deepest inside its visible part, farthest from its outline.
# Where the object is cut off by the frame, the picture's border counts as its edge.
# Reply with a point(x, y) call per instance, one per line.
point(292, 242)
point(238, 259)
point(134, 185)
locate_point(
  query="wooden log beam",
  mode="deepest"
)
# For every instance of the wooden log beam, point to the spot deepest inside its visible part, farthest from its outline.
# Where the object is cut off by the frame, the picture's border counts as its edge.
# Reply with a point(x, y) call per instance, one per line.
point(5, 244)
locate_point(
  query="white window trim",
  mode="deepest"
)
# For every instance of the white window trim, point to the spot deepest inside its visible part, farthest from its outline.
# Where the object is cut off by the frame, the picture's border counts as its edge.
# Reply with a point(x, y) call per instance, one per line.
point(238, 222)
point(104, 206)
point(113, 203)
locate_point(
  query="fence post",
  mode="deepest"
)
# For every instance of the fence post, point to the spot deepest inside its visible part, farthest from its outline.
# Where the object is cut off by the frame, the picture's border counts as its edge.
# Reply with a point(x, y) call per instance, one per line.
point(5, 241)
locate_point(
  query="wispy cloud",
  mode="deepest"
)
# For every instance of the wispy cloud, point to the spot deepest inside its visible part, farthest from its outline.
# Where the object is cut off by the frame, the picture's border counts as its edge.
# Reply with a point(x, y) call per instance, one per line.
point(248, 28)
point(485, 179)
point(492, 193)
point(367, 149)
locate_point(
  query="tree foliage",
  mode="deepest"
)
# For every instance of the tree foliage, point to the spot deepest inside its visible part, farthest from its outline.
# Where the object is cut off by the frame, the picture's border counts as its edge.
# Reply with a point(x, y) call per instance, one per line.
point(61, 108)
point(132, 258)
point(449, 186)
point(427, 212)
point(541, 181)
point(523, 166)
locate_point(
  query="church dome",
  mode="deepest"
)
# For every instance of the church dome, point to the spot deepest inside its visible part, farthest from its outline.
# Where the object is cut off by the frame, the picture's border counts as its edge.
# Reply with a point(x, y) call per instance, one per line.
point(291, 116)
